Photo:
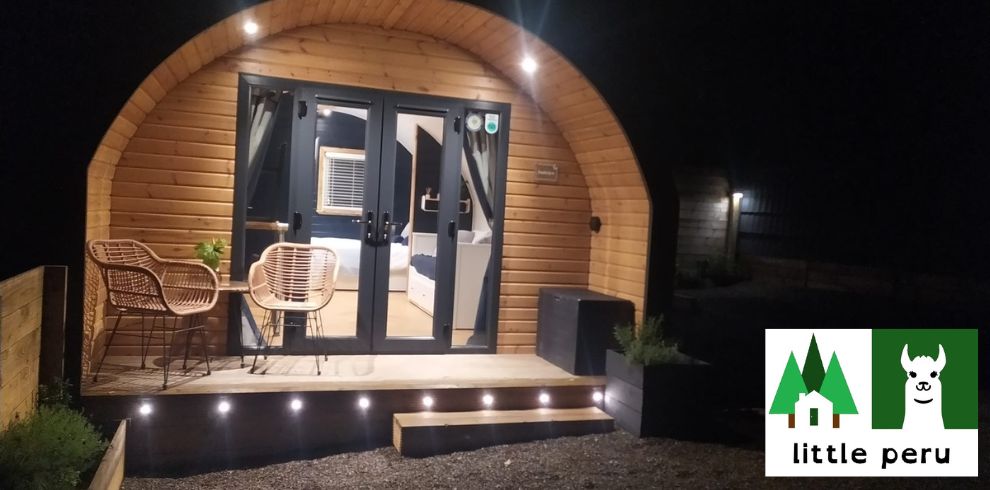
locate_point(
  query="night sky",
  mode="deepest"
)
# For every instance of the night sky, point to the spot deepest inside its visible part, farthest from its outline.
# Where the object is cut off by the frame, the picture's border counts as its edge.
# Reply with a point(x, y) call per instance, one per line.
point(872, 119)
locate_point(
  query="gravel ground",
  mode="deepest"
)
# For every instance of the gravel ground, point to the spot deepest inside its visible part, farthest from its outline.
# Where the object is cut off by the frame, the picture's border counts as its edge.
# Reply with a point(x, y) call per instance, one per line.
point(615, 460)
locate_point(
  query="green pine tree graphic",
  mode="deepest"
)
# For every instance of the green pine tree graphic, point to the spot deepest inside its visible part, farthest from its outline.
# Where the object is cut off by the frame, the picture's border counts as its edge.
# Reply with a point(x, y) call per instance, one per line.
point(830, 384)
point(814, 369)
point(836, 390)
point(791, 385)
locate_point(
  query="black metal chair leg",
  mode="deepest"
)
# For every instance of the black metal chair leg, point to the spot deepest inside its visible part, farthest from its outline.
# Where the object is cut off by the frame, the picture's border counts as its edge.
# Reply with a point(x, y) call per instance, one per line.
point(106, 346)
point(185, 353)
point(144, 351)
point(167, 351)
point(206, 352)
point(264, 328)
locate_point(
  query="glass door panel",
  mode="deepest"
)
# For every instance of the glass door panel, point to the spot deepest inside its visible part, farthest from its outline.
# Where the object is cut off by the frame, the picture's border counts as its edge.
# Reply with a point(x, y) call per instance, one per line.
point(474, 259)
point(413, 315)
point(336, 197)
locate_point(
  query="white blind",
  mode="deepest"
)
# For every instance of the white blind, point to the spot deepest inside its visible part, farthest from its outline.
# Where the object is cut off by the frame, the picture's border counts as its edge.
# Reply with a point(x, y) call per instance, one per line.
point(343, 181)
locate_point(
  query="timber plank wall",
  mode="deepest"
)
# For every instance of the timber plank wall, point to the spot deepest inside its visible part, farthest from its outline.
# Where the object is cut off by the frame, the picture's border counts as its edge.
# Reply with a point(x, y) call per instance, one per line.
point(163, 173)
point(21, 299)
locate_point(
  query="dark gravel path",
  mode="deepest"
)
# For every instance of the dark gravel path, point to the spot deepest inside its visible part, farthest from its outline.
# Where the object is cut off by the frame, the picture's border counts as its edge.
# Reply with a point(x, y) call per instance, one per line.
point(616, 460)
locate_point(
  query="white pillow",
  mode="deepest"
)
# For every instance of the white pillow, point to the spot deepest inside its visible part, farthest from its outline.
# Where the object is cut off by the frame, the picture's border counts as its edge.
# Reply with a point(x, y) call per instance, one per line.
point(482, 237)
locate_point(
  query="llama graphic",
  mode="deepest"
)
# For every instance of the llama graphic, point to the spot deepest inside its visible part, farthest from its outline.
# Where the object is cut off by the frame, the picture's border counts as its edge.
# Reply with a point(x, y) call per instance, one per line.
point(923, 391)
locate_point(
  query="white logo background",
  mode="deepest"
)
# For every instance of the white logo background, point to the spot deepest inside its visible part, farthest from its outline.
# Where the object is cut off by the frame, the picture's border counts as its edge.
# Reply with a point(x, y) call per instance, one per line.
point(855, 351)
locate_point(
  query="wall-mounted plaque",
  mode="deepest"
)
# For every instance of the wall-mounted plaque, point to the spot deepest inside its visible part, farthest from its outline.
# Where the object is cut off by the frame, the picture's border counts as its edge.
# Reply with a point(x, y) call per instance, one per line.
point(547, 172)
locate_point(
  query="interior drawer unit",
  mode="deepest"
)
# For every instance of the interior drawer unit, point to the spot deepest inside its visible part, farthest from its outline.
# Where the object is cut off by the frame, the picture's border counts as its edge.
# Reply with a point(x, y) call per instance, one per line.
point(575, 327)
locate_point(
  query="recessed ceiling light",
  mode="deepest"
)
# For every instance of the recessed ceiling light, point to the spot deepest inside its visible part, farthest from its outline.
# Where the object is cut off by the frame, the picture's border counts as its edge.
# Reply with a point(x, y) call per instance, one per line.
point(145, 409)
point(529, 65)
point(364, 403)
point(295, 405)
point(251, 27)
point(223, 407)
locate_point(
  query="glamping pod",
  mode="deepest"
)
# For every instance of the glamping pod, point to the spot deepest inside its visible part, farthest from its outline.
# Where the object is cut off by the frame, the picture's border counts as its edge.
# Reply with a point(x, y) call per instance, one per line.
point(452, 162)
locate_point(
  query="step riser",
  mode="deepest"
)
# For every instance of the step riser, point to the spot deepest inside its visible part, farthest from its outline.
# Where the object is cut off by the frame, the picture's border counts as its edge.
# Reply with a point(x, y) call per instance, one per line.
point(185, 432)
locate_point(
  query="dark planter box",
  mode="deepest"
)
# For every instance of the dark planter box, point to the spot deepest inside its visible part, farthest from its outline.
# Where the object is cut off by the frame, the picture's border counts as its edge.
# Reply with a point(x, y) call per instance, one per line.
point(663, 400)
point(574, 328)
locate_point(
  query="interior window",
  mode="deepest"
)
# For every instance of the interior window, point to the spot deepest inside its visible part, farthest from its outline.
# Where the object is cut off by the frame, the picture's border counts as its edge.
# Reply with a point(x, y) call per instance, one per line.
point(341, 181)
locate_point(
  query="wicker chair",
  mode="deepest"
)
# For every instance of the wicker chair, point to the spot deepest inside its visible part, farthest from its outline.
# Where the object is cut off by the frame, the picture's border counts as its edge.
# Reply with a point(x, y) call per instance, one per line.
point(139, 282)
point(292, 277)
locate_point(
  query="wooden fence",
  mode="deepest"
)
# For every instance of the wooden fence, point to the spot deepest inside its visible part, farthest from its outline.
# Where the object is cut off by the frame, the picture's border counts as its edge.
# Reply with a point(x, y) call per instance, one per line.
point(32, 319)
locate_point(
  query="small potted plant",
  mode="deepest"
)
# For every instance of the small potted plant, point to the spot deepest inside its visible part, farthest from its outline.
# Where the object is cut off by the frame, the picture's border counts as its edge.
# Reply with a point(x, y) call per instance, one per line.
point(654, 389)
point(210, 252)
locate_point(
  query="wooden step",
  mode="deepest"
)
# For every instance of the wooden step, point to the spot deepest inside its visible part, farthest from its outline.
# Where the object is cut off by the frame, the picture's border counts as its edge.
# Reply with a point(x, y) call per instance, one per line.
point(428, 433)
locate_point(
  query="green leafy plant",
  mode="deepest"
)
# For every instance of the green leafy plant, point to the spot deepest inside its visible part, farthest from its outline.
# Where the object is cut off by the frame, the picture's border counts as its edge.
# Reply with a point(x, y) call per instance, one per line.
point(645, 344)
point(57, 393)
point(210, 252)
point(49, 449)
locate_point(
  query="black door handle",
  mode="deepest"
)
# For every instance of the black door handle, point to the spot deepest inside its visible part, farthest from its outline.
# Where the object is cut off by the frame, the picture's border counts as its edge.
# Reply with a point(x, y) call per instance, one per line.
point(386, 226)
point(296, 221)
point(452, 229)
point(369, 222)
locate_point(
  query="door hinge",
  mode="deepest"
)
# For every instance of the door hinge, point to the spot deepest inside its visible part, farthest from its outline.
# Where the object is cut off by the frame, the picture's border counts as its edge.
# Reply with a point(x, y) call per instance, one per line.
point(302, 109)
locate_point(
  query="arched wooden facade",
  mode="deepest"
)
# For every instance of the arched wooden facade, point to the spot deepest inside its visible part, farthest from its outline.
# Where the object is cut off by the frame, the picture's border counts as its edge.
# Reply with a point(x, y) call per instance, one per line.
point(163, 173)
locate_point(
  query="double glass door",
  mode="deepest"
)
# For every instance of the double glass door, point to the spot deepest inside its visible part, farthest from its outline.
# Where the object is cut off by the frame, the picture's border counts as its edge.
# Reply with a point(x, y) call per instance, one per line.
point(396, 188)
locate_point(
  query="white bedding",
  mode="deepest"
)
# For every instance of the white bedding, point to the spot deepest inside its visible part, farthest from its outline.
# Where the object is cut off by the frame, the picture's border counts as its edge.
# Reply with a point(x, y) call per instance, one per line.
point(349, 253)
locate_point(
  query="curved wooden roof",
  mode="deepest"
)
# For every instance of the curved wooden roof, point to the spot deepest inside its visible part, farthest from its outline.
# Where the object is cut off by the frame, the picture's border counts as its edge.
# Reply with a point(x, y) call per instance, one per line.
point(599, 143)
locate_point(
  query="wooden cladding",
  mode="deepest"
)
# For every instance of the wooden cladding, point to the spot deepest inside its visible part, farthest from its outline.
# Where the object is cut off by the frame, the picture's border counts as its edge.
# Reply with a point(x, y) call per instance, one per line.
point(164, 171)
point(21, 300)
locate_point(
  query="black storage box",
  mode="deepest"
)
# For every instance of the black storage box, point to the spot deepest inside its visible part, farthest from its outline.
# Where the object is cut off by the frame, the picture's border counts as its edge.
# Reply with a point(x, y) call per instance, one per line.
point(575, 327)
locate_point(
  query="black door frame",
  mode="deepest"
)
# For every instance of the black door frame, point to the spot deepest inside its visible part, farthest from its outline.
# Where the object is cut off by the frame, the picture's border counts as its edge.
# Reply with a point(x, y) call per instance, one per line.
point(383, 109)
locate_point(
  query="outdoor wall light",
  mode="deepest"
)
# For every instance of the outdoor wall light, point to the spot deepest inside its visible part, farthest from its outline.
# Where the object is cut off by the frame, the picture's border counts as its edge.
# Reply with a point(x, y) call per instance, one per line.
point(251, 27)
point(427, 402)
point(145, 409)
point(488, 400)
point(529, 65)
point(326, 112)
point(544, 398)
point(737, 195)
point(295, 404)
point(223, 407)
point(364, 403)
point(597, 396)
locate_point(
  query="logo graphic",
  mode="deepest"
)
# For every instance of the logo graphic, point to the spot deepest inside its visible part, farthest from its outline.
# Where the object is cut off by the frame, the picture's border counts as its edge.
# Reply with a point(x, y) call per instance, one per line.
point(900, 402)
point(491, 123)
point(815, 396)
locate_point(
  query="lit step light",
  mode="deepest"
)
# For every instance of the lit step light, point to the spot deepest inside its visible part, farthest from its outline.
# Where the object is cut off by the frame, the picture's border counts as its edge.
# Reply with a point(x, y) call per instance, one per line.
point(223, 407)
point(488, 400)
point(427, 402)
point(145, 409)
point(295, 404)
point(251, 27)
point(364, 403)
point(597, 396)
point(544, 398)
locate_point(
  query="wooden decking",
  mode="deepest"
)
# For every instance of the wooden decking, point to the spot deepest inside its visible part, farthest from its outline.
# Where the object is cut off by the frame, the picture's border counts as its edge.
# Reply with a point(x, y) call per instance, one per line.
point(122, 376)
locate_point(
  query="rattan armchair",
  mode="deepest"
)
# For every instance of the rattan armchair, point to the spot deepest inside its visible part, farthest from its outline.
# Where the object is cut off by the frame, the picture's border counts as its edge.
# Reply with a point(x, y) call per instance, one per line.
point(140, 282)
point(292, 277)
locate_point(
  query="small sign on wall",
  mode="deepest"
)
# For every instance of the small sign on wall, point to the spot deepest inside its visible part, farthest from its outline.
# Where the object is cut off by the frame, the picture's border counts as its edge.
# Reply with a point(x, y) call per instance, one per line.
point(547, 173)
